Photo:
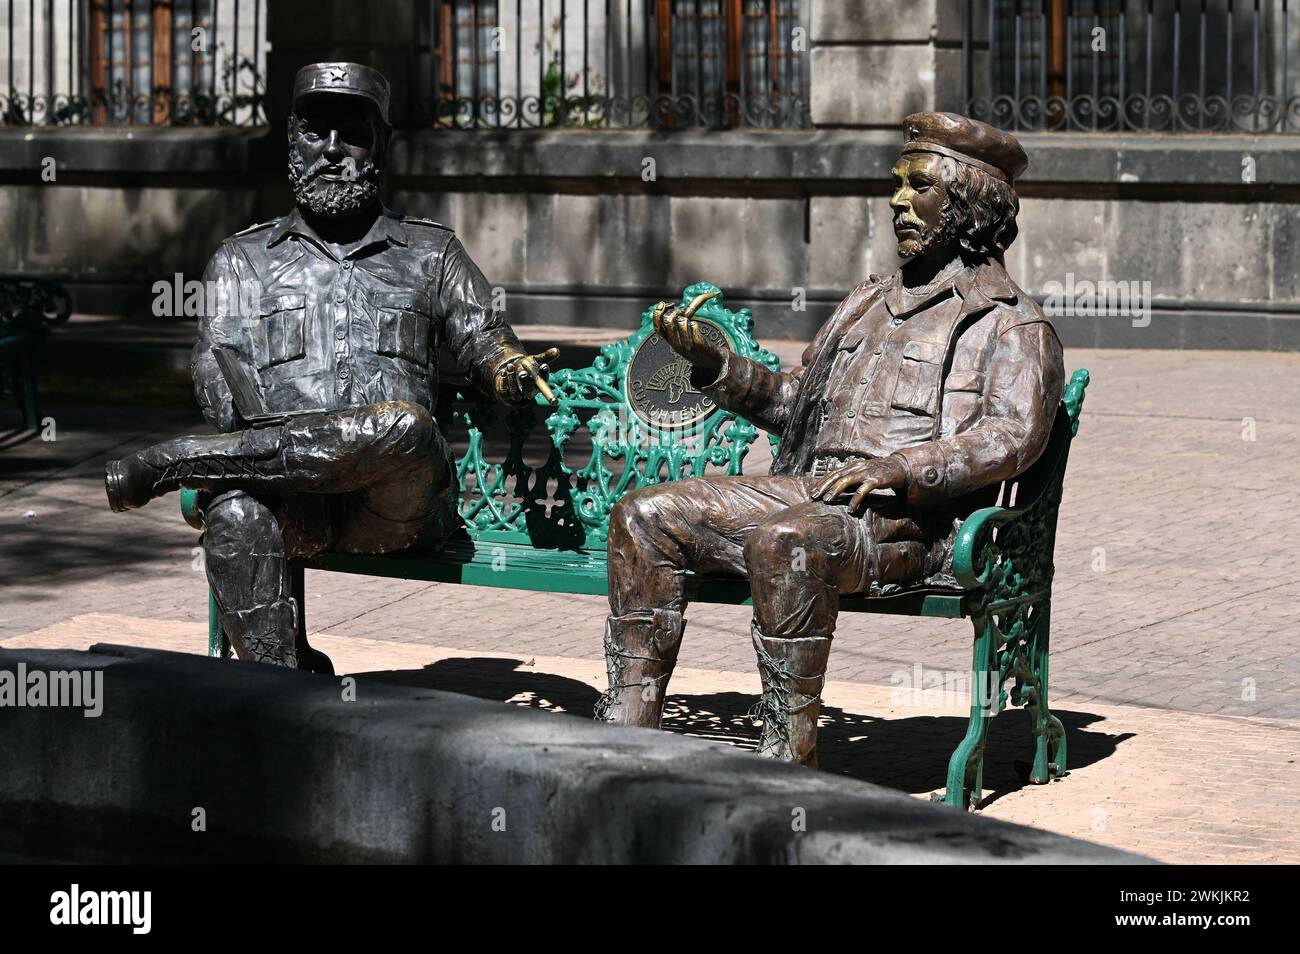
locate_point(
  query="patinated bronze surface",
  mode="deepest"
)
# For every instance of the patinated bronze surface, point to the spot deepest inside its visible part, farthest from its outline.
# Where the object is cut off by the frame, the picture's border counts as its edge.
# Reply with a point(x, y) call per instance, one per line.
point(924, 390)
point(324, 388)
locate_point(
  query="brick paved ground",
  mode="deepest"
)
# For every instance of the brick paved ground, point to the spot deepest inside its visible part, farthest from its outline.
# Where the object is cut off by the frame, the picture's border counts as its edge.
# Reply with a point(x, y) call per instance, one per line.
point(1175, 591)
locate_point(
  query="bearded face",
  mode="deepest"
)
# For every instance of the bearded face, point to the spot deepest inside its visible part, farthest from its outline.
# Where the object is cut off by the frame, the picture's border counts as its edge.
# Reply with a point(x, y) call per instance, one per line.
point(333, 144)
point(923, 218)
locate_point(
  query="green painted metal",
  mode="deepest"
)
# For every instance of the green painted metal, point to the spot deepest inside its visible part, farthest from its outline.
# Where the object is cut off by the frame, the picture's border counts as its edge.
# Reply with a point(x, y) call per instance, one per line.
point(564, 503)
point(544, 528)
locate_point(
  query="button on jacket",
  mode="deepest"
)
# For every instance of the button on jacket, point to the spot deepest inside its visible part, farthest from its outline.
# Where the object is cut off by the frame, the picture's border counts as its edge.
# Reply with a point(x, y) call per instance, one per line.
point(320, 331)
point(964, 388)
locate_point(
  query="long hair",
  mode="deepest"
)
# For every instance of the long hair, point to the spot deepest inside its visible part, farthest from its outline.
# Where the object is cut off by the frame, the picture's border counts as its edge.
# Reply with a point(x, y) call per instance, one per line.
point(983, 208)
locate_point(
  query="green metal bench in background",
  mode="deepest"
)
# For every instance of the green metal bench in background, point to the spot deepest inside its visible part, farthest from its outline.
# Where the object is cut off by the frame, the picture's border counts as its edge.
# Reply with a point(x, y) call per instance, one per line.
point(537, 519)
point(28, 309)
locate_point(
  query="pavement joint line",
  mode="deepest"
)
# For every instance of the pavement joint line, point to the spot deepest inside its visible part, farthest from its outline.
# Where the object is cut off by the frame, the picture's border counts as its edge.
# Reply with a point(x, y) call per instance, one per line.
point(1191, 612)
point(373, 609)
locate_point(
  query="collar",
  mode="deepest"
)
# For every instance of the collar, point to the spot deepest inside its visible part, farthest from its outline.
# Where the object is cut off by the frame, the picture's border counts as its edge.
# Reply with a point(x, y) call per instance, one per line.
point(988, 280)
point(387, 227)
point(977, 285)
point(903, 302)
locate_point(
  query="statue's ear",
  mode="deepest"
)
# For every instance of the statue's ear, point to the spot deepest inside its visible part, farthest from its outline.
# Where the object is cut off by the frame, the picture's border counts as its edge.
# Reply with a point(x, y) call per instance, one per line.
point(383, 138)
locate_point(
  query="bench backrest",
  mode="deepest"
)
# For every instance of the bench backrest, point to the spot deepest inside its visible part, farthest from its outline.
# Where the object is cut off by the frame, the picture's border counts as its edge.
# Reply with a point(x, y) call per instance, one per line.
point(630, 419)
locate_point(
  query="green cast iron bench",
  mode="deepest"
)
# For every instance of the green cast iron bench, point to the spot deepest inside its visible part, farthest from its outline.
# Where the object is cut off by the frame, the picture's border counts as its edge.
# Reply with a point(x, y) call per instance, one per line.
point(631, 419)
point(28, 309)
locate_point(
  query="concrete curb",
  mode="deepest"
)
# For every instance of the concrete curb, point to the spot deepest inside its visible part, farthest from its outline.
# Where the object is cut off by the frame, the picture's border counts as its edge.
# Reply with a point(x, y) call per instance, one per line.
point(285, 771)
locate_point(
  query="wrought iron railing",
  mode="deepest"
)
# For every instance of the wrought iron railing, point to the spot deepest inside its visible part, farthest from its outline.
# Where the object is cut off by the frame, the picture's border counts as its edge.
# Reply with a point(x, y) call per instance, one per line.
point(488, 64)
point(1132, 65)
point(132, 62)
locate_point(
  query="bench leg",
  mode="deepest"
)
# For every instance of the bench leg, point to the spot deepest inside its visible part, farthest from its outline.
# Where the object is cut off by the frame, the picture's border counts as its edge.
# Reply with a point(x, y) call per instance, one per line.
point(312, 660)
point(218, 644)
point(1049, 733)
point(966, 767)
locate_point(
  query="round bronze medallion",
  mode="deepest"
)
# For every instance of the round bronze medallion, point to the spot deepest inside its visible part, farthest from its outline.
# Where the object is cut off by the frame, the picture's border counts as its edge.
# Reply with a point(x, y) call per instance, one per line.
point(659, 382)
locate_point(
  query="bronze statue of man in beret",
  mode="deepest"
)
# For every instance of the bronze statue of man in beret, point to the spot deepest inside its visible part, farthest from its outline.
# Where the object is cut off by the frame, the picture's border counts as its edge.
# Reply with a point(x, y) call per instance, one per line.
point(923, 391)
point(323, 381)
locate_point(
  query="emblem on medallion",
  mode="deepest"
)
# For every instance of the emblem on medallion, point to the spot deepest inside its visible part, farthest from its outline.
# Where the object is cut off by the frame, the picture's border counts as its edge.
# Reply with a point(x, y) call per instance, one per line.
point(659, 388)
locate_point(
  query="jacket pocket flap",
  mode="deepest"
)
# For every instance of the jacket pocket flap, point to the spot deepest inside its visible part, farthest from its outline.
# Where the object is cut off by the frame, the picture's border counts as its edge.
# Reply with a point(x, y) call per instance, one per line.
point(965, 381)
point(403, 301)
point(924, 351)
point(273, 303)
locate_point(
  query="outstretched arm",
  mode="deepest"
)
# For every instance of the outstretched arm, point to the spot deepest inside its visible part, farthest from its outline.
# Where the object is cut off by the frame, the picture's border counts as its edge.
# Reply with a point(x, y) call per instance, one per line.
point(484, 345)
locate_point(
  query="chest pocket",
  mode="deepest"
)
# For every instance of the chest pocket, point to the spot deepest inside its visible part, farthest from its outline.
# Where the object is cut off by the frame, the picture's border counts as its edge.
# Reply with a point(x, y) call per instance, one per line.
point(402, 328)
point(284, 319)
point(919, 373)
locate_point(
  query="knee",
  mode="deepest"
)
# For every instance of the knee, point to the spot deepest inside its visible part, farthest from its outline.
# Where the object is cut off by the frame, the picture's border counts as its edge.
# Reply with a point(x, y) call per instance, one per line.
point(638, 513)
point(631, 515)
point(406, 429)
point(778, 545)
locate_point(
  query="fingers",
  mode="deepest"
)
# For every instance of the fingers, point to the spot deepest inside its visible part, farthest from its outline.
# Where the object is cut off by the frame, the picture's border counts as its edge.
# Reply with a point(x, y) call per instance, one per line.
point(836, 484)
point(658, 319)
point(675, 324)
point(697, 337)
point(550, 354)
point(822, 485)
point(682, 329)
point(860, 498)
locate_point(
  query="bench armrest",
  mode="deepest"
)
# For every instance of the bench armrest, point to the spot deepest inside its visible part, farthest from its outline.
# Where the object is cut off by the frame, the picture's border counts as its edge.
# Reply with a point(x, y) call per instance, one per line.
point(974, 552)
point(192, 503)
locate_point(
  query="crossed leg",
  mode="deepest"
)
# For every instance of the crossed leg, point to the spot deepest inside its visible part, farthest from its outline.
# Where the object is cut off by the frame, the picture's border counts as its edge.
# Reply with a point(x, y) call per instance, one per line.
point(369, 480)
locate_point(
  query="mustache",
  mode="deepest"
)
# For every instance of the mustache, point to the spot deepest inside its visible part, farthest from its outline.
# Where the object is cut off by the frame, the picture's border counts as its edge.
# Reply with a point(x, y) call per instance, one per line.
point(323, 165)
point(906, 221)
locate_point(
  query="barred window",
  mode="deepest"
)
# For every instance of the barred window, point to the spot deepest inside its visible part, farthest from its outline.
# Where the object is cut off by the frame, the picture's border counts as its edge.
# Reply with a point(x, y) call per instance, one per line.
point(1132, 65)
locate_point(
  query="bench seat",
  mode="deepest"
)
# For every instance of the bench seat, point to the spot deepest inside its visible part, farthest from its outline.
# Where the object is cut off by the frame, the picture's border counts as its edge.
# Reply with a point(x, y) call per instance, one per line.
point(522, 567)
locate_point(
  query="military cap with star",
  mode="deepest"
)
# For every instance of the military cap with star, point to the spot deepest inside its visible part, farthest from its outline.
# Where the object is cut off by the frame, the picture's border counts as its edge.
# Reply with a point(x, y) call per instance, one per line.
point(967, 140)
point(351, 78)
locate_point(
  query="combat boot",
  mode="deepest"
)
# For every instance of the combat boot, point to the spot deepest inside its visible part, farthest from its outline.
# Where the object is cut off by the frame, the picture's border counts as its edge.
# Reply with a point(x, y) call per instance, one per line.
point(640, 652)
point(793, 671)
point(266, 633)
point(216, 462)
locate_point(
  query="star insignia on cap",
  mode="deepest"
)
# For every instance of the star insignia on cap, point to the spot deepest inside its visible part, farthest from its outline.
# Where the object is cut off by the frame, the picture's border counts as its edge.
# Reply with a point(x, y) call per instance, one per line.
point(338, 76)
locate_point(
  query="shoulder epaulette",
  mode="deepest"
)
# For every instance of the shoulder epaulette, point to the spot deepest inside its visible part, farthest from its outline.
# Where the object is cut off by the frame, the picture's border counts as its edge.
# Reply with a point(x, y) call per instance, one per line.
point(254, 228)
point(412, 220)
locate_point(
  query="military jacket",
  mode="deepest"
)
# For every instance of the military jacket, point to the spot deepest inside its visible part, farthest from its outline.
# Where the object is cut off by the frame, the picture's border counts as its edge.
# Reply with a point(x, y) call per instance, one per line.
point(322, 330)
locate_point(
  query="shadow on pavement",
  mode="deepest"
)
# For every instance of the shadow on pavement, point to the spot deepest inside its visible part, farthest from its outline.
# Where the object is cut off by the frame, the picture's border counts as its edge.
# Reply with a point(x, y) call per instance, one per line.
point(910, 753)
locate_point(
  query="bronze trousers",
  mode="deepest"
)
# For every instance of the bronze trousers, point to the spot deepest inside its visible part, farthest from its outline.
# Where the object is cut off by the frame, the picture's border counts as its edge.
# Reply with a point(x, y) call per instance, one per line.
point(799, 555)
